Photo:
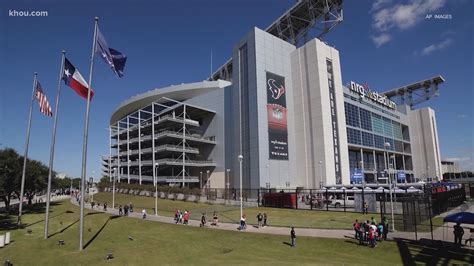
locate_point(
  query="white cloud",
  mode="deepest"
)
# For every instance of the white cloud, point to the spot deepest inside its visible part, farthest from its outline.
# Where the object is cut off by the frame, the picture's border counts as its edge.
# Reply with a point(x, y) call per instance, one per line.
point(381, 39)
point(435, 47)
point(401, 16)
point(380, 3)
point(463, 116)
point(457, 159)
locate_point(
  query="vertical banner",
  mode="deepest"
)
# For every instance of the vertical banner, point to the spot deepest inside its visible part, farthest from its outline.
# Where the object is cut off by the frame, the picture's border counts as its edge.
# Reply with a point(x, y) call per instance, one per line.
point(277, 117)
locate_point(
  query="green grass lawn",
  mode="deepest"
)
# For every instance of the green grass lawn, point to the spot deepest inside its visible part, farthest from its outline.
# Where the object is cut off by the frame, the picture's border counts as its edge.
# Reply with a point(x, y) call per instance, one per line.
point(276, 216)
point(158, 243)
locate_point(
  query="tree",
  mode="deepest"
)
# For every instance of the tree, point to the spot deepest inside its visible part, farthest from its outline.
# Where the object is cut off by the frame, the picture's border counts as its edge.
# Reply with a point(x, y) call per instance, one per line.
point(10, 174)
point(103, 183)
point(35, 179)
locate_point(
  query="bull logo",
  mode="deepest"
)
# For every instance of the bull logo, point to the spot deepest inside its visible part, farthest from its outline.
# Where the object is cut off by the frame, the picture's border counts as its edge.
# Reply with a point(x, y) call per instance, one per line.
point(276, 91)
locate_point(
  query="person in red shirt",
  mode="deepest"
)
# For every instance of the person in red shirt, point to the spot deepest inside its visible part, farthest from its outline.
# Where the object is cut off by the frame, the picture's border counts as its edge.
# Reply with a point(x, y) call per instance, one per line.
point(186, 217)
point(372, 237)
point(356, 227)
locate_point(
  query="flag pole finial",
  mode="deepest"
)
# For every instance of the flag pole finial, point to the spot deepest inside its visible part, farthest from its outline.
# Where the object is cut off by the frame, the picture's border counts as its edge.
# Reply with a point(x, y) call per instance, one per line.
point(96, 18)
point(63, 51)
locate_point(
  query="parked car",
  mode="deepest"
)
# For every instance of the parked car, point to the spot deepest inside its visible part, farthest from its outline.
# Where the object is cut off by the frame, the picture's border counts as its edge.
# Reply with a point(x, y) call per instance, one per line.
point(339, 203)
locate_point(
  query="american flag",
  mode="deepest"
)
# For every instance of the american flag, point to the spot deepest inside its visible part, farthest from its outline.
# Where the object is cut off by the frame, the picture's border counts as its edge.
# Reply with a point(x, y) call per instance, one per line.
point(44, 105)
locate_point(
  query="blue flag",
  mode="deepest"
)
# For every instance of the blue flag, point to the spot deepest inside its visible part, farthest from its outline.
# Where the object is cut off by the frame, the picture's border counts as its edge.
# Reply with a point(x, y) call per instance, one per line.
point(113, 58)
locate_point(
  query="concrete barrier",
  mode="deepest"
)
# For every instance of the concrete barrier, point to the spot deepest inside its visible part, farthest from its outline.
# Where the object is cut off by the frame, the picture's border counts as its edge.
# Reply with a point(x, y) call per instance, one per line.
point(2, 241)
point(7, 238)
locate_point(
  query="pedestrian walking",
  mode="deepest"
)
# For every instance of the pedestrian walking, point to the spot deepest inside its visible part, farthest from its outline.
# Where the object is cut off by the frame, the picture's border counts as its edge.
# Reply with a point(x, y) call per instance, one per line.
point(356, 227)
point(92, 204)
point(215, 219)
point(293, 237)
point(458, 233)
point(243, 225)
point(130, 207)
point(380, 231)
point(186, 217)
point(105, 206)
point(372, 237)
point(264, 219)
point(176, 216)
point(373, 221)
point(120, 210)
point(203, 220)
point(385, 227)
point(366, 208)
point(259, 220)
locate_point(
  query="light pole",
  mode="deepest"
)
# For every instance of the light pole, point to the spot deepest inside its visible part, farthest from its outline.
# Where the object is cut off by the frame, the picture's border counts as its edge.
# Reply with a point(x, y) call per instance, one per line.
point(157, 167)
point(240, 157)
point(320, 174)
point(92, 185)
point(113, 187)
point(228, 180)
point(387, 146)
point(200, 179)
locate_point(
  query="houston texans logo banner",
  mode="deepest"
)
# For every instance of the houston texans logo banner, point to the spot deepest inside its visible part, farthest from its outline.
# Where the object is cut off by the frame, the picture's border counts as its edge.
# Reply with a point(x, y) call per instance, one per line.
point(277, 117)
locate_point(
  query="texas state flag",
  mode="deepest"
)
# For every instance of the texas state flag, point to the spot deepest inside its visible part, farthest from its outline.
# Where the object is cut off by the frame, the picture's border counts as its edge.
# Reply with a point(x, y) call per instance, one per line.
point(74, 79)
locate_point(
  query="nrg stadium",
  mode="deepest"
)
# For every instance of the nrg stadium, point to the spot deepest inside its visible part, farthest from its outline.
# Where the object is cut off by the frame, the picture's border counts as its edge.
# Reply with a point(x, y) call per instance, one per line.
point(279, 102)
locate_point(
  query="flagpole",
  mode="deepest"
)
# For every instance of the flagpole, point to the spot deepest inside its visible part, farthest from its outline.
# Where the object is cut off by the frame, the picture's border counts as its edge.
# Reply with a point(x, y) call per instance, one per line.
point(84, 145)
point(53, 142)
point(22, 189)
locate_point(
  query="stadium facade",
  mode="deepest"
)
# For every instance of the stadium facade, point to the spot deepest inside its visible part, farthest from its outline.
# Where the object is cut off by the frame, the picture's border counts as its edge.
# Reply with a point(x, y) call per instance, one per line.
point(287, 111)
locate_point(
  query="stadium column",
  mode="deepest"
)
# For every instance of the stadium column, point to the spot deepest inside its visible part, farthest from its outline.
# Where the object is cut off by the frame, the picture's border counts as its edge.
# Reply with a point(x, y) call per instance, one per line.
point(184, 141)
point(139, 147)
point(128, 148)
point(153, 138)
point(404, 169)
point(375, 168)
point(119, 174)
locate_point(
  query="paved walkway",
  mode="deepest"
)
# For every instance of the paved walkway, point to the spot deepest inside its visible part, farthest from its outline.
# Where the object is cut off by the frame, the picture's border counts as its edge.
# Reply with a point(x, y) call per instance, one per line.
point(328, 233)
point(15, 202)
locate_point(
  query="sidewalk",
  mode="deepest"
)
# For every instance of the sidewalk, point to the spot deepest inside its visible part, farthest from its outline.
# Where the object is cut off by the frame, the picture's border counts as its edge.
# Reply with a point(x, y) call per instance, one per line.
point(15, 202)
point(327, 233)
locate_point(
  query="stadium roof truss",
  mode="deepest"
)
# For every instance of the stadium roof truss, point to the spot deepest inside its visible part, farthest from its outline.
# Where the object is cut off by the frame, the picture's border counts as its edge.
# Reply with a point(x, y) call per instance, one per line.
point(295, 24)
point(416, 93)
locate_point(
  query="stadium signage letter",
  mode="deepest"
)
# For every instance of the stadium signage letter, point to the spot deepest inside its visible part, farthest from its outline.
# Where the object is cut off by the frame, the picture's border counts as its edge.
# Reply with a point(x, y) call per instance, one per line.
point(374, 96)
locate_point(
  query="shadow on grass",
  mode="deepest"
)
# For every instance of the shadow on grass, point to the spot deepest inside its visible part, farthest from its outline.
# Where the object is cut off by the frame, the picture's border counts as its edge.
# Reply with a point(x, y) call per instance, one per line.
point(73, 223)
point(100, 230)
point(427, 252)
point(287, 243)
point(9, 222)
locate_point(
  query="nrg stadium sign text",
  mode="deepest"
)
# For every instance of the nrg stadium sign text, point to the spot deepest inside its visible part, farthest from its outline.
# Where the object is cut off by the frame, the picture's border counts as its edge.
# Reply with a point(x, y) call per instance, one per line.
point(374, 96)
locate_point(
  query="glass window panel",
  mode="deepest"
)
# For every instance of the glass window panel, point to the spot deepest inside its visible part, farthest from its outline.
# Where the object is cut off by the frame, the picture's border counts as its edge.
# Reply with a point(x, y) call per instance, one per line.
point(353, 136)
point(365, 120)
point(367, 139)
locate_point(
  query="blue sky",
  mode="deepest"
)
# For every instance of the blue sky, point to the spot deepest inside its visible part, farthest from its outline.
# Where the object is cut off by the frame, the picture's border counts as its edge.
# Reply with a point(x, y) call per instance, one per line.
point(383, 43)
